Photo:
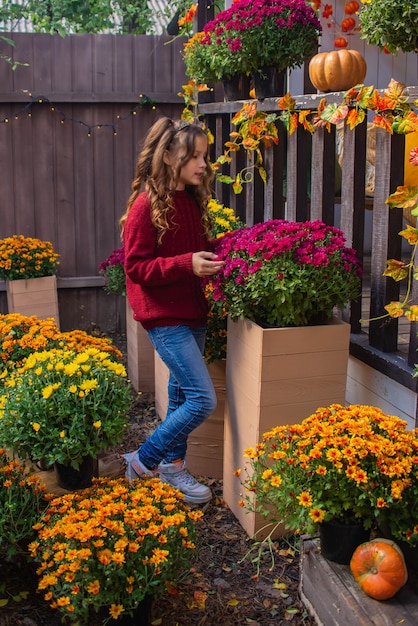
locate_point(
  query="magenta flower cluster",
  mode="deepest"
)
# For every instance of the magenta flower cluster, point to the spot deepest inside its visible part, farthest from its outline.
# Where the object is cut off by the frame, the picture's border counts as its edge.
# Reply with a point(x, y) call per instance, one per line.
point(246, 16)
point(113, 271)
point(286, 273)
point(117, 257)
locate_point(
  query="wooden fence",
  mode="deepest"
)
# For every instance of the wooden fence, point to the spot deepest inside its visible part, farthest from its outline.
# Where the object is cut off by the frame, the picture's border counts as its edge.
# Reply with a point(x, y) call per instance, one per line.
point(71, 122)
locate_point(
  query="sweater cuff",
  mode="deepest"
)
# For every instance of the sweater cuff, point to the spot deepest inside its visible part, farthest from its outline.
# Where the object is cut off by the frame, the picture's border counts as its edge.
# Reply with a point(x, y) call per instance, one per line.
point(185, 261)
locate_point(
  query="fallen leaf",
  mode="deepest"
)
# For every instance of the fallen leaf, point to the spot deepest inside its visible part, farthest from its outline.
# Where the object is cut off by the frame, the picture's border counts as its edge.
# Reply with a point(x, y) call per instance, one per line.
point(292, 610)
point(232, 602)
point(278, 585)
point(200, 598)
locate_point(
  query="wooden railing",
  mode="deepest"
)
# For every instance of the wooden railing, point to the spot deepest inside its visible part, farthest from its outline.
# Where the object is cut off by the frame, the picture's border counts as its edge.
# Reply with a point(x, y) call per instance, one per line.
point(302, 184)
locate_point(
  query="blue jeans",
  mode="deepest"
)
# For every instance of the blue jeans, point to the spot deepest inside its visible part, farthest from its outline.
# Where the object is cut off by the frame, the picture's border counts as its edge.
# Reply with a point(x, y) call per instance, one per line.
point(191, 395)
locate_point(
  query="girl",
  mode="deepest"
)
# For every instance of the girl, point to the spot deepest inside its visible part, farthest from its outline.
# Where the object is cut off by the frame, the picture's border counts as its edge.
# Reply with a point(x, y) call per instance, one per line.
point(167, 252)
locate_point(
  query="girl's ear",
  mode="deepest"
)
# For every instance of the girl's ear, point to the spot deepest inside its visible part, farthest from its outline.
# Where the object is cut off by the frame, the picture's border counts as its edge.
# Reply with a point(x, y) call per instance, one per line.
point(167, 157)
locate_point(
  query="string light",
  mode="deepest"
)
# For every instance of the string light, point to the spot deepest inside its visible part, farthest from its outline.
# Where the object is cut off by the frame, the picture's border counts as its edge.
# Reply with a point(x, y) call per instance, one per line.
point(144, 101)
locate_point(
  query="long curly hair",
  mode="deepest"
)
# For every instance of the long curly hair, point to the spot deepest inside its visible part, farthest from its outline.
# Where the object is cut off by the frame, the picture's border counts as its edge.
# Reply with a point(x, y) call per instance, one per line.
point(160, 179)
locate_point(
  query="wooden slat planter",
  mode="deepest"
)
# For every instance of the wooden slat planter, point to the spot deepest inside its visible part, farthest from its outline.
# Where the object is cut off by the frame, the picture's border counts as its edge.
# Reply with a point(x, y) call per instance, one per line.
point(140, 354)
point(205, 444)
point(34, 296)
point(275, 376)
point(333, 598)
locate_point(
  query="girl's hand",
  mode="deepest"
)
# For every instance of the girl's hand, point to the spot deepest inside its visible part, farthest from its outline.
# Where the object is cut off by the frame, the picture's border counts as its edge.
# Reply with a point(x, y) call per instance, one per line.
point(205, 263)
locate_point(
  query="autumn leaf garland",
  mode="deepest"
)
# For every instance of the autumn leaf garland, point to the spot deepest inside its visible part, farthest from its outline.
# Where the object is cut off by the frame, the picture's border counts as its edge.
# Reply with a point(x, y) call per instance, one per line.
point(254, 128)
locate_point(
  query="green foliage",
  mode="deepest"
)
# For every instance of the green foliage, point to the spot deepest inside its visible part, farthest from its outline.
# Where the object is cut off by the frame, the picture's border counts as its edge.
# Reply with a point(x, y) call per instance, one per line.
point(391, 24)
point(21, 596)
point(198, 60)
point(12, 12)
point(86, 16)
point(9, 59)
point(21, 496)
point(90, 16)
point(62, 16)
point(113, 271)
point(63, 405)
point(115, 280)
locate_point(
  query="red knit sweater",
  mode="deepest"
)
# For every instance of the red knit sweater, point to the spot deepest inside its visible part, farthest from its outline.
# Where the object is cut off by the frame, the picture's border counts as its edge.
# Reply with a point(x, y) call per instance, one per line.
point(161, 287)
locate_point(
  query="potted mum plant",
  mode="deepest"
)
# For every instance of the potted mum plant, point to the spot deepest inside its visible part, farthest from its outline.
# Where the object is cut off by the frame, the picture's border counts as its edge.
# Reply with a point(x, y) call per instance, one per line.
point(104, 550)
point(65, 407)
point(284, 273)
point(339, 466)
point(231, 43)
point(28, 266)
point(281, 284)
point(113, 272)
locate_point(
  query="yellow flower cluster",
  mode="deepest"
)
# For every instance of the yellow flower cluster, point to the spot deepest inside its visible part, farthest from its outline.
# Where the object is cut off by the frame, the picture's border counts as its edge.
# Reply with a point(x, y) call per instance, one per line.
point(26, 257)
point(223, 218)
point(352, 462)
point(63, 405)
point(111, 545)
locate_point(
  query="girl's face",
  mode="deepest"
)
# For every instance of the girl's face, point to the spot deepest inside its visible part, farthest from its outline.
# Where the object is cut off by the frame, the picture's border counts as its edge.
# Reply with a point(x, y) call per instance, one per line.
point(193, 171)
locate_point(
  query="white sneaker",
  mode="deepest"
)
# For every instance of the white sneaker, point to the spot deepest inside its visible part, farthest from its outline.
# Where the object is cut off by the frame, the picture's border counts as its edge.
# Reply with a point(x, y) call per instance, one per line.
point(134, 467)
point(176, 475)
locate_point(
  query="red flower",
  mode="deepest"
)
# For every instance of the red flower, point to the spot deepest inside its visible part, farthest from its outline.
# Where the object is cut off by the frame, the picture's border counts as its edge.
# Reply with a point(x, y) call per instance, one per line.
point(413, 156)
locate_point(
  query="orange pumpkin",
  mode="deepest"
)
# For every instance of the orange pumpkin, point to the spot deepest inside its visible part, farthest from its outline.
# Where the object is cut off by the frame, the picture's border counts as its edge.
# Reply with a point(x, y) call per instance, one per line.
point(338, 70)
point(348, 24)
point(379, 568)
point(351, 7)
point(340, 42)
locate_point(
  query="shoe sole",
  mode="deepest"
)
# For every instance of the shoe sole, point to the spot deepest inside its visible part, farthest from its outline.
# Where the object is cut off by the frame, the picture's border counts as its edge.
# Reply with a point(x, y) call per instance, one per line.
point(191, 500)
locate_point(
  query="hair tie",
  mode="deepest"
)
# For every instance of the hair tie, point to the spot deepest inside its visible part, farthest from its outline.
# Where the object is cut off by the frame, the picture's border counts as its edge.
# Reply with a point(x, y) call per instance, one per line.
point(182, 124)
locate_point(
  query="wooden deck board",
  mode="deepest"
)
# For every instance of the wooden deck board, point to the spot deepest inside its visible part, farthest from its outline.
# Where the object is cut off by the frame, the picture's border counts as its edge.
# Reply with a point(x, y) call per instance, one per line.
point(333, 598)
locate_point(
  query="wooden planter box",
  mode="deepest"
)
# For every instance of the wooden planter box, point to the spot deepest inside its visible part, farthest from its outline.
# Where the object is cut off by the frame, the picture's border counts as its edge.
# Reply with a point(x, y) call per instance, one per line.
point(276, 376)
point(140, 354)
point(34, 296)
point(205, 444)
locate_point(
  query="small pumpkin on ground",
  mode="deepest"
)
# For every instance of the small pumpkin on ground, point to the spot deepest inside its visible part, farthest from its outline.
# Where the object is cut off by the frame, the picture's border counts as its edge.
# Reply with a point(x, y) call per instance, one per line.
point(337, 70)
point(378, 566)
